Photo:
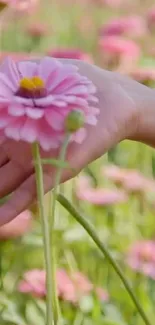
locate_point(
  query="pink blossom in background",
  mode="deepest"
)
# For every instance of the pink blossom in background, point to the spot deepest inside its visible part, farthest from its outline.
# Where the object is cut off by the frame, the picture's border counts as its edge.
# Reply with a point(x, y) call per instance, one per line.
point(151, 18)
point(71, 287)
point(34, 282)
point(99, 196)
point(24, 6)
point(134, 26)
point(114, 45)
point(70, 54)
point(141, 257)
point(144, 75)
point(36, 98)
point(37, 30)
point(131, 179)
point(114, 3)
point(17, 227)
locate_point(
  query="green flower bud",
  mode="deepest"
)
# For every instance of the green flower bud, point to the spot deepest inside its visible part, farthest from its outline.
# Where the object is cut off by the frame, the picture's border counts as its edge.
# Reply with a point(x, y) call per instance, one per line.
point(74, 121)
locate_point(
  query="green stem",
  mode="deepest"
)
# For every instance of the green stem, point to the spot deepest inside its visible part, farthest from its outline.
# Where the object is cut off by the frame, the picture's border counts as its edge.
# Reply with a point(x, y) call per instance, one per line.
point(52, 213)
point(45, 232)
point(91, 231)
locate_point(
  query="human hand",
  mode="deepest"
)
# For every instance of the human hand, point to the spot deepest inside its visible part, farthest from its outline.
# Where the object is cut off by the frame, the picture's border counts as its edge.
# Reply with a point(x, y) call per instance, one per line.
point(121, 103)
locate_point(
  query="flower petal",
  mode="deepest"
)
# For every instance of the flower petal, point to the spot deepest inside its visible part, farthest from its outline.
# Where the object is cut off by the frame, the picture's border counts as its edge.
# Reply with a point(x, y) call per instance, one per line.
point(79, 136)
point(44, 102)
point(9, 68)
point(62, 74)
point(4, 81)
point(30, 131)
point(54, 119)
point(34, 113)
point(91, 119)
point(27, 69)
point(47, 66)
point(25, 101)
point(16, 110)
point(5, 119)
point(13, 130)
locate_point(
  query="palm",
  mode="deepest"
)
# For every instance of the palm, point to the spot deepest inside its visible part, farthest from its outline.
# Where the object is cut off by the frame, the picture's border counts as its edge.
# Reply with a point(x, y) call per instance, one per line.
point(117, 102)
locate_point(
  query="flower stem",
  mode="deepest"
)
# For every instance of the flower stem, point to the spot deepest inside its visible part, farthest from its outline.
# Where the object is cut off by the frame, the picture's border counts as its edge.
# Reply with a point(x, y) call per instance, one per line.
point(45, 232)
point(92, 233)
point(56, 310)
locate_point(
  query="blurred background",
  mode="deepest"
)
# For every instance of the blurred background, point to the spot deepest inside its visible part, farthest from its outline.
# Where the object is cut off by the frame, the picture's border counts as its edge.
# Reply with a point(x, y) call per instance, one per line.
point(116, 192)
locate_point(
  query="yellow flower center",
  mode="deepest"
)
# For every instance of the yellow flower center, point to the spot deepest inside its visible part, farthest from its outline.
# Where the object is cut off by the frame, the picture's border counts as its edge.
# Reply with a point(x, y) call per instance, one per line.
point(32, 84)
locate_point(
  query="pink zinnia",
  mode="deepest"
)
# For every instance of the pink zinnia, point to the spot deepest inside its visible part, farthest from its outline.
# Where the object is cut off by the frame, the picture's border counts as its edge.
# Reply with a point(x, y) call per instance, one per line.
point(130, 26)
point(37, 30)
point(71, 287)
point(131, 179)
point(114, 45)
point(141, 257)
point(151, 18)
point(98, 196)
point(70, 53)
point(144, 75)
point(37, 97)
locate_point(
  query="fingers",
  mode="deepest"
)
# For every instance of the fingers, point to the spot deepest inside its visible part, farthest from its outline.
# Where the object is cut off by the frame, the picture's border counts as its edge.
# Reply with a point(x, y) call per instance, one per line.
point(3, 158)
point(11, 176)
point(22, 198)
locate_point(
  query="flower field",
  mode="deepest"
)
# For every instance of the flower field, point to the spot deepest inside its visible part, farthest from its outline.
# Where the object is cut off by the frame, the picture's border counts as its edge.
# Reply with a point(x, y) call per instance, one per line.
point(116, 193)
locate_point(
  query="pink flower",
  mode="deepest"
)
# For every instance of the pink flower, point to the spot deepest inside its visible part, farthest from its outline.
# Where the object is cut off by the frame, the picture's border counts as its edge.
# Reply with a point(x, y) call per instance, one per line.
point(114, 3)
point(131, 26)
point(132, 180)
point(25, 6)
point(71, 287)
point(34, 283)
point(17, 227)
point(151, 18)
point(141, 257)
point(144, 75)
point(37, 97)
point(99, 196)
point(102, 294)
point(70, 54)
point(114, 45)
point(37, 30)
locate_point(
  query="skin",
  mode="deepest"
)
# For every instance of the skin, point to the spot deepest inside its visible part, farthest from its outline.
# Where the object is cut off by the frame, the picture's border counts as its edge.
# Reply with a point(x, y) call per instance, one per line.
point(127, 111)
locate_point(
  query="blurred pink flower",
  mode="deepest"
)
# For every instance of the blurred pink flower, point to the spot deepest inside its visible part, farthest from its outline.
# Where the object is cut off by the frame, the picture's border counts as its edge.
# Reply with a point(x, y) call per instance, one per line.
point(114, 45)
point(144, 75)
point(71, 287)
point(37, 30)
point(37, 97)
point(25, 6)
point(132, 180)
point(134, 26)
point(17, 227)
point(33, 283)
point(70, 54)
point(99, 196)
point(141, 257)
point(151, 18)
point(21, 5)
point(102, 294)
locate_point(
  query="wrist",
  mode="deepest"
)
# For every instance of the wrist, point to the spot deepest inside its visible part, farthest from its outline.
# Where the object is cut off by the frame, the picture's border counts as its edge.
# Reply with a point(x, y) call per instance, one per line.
point(144, 130)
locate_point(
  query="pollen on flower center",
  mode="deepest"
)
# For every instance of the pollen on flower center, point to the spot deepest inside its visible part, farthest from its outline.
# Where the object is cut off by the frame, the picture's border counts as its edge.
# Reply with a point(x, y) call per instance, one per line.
point(31, 87)
point(32, 83)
